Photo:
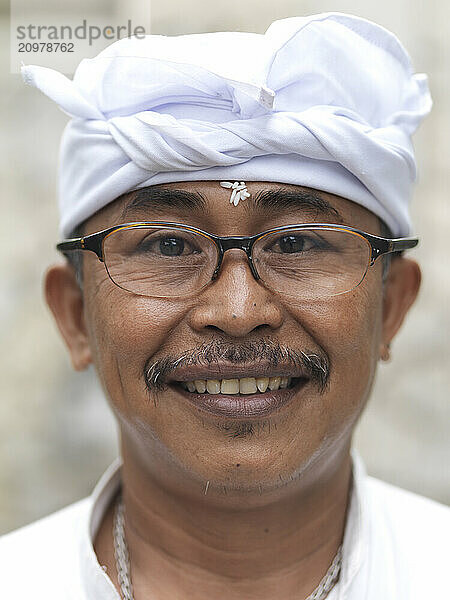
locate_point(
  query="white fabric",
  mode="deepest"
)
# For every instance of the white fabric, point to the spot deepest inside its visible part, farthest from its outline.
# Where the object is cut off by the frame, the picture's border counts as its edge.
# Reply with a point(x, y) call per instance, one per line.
point(395, 547)
point(327, 101)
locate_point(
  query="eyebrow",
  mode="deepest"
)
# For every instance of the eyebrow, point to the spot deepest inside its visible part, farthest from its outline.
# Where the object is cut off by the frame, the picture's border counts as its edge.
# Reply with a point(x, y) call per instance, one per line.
point(162, 199)
point(282, 199)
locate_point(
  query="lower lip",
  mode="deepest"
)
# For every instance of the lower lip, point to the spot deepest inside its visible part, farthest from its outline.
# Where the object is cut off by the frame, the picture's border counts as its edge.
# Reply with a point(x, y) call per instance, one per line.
point(242, 407)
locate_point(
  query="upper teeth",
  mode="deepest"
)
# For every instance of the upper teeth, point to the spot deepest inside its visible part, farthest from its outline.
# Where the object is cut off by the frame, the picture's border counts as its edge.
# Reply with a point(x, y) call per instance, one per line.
point(245, 385)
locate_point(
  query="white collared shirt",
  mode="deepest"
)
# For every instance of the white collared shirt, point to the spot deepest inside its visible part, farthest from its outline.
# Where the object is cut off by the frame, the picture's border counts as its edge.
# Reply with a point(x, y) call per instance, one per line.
point(396, 547)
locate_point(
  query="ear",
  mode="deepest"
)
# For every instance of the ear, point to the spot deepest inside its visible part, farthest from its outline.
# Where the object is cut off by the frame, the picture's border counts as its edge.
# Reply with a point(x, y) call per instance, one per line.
point(401, 288)
point(65, 299)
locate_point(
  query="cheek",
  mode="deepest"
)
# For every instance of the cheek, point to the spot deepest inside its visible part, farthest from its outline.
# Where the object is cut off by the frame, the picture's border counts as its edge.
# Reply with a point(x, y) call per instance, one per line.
point(124, 332)
point(123, 324)
point(347, 328)
point(353, 327)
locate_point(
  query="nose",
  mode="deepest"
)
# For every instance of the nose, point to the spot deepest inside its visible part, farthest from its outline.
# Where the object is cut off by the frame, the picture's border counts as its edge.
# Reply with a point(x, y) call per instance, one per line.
point(235, 303)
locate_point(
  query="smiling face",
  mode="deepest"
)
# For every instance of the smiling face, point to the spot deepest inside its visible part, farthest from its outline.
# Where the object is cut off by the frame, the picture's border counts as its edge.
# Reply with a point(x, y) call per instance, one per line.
point(237, 385)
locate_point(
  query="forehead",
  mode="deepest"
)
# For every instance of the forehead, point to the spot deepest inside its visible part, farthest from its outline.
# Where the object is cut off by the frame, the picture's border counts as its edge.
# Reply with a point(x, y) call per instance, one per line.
point(206, 204)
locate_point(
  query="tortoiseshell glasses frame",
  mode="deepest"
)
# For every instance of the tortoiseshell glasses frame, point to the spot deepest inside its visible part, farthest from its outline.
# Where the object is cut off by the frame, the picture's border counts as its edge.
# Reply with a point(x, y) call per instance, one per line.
point(326, 240)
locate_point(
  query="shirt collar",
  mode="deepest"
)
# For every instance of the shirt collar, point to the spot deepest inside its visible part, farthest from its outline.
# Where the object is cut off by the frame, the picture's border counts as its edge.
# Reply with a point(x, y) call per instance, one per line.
point(95, 582)
point(356, 533)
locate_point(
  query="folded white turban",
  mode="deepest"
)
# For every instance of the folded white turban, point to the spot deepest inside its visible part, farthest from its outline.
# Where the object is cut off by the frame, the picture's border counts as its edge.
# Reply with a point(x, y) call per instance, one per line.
point(328, 101)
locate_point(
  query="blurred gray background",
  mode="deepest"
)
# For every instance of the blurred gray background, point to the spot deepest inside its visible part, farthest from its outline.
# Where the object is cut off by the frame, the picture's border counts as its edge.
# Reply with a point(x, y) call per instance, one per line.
point(56, 432)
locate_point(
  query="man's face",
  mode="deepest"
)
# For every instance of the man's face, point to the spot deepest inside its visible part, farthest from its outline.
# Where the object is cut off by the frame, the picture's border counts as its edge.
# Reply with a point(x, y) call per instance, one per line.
point(235, 327)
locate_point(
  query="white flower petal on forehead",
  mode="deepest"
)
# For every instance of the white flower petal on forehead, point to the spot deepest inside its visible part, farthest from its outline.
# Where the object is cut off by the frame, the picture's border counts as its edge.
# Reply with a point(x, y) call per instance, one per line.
point(239, 192)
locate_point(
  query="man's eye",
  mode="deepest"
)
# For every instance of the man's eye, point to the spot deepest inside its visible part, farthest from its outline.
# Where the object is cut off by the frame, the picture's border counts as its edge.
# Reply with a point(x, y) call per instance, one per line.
point(166, 246)
point(289, 244)
point(171, 246)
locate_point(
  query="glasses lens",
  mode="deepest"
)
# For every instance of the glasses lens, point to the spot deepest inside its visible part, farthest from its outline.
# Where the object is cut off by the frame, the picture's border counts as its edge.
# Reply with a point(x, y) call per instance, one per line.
point(312, 263)
point(159, 261)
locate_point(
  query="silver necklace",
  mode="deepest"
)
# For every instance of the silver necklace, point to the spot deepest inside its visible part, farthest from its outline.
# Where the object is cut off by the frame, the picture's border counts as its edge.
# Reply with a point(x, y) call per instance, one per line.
point(122, 557)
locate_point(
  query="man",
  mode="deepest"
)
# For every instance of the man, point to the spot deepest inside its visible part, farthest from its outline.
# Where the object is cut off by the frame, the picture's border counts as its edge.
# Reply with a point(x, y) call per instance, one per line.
point(235, 215)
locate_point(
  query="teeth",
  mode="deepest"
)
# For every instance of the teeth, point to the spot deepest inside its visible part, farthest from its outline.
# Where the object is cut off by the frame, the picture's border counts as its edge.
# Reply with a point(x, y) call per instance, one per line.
point(284, 382)
point(245, 385)
point(229, 386)
point(274, 383)
point(213, 386)
point(262, 383)
point(200, 386)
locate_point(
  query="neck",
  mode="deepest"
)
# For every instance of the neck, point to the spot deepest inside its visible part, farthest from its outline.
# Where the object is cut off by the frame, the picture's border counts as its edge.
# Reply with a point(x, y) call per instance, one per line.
point(188, 547)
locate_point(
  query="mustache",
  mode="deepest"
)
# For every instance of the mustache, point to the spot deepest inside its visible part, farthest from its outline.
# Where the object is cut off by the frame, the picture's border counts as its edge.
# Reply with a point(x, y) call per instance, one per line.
point(315, 364)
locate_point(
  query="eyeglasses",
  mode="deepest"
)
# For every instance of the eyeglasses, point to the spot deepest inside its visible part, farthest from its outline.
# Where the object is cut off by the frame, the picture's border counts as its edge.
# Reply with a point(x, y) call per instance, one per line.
point(169, 260)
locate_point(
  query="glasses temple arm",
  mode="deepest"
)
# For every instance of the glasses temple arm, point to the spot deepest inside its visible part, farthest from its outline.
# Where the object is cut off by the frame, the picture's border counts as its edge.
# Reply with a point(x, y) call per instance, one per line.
point(401, 244)
point(91, 242)
point(68, 245)
point(388, 246)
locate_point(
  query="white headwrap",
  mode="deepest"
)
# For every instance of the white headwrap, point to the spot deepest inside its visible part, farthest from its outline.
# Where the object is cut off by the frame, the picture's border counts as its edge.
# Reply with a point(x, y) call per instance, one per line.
point(328, 101)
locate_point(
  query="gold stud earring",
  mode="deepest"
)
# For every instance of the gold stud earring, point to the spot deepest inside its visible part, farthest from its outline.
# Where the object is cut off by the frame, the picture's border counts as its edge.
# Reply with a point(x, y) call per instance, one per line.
point(386, 353)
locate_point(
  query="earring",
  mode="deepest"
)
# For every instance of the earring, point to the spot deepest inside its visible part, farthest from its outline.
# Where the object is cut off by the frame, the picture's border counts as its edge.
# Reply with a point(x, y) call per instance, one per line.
point(239, 192)
point(386, 353)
